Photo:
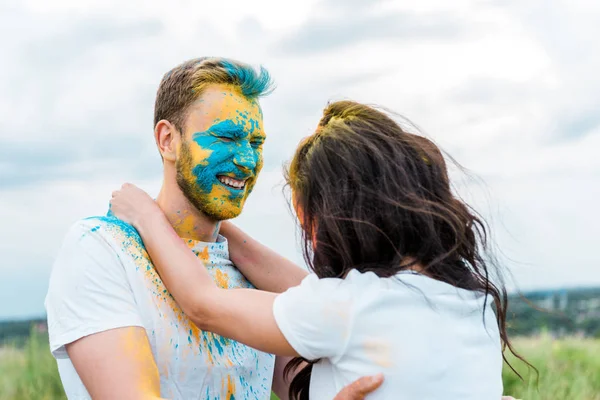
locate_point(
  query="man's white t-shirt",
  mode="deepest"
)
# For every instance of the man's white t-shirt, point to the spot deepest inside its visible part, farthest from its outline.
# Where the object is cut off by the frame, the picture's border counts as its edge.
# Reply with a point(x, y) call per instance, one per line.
point(103, 279)
point(431, 340)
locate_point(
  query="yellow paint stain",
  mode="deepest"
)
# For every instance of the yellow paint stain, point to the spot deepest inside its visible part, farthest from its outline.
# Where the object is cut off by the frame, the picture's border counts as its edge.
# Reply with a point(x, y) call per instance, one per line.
point(232, 105)
point(198, 342)
point(209, 357)
point(230, 388)
point(204, 256)
point(222, 279)
point(133, 343)
point(217, 103)
point(185, 225)
point(200, 154)
point(220, 197)
point(379, 352)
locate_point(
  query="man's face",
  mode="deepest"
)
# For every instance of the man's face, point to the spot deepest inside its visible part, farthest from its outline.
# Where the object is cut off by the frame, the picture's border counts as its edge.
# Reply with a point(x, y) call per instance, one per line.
point(220, 155)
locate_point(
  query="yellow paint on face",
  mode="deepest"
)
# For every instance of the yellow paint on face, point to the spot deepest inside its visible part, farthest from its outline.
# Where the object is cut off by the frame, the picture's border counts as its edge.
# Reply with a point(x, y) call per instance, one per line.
point(223, 138)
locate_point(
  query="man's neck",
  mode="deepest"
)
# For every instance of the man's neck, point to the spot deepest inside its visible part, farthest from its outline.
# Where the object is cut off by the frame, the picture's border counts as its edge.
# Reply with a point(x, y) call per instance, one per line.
point(188, 221)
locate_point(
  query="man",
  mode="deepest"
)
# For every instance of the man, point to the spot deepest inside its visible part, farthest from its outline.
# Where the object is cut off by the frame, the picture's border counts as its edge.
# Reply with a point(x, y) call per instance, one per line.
point(115, 330)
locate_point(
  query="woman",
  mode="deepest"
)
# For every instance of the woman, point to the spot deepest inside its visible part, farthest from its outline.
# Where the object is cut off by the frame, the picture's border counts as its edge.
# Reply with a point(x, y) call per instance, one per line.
point(401, 285)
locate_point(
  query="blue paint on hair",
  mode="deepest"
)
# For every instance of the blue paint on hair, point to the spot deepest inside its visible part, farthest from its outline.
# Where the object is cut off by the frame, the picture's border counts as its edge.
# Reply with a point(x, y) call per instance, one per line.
point(253, 84)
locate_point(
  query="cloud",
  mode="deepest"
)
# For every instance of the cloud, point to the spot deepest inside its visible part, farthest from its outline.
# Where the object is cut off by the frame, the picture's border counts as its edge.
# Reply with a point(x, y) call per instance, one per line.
point(82, 36)
point(67, 113)
point(26, 164)
point(29, 286)
point(567, 32)
point(510, 89)
point(491, 91)
point(250, 28)
point(350, 5)
point(318, 34)
point(583, 123)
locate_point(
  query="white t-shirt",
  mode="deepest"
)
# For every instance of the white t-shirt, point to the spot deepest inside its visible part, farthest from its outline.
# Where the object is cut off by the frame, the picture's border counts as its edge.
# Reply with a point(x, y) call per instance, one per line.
point(103, 279)
point(428, 338)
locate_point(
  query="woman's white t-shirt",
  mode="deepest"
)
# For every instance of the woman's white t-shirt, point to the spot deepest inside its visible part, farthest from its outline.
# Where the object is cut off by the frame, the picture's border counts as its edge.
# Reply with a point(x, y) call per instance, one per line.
point(430, 339)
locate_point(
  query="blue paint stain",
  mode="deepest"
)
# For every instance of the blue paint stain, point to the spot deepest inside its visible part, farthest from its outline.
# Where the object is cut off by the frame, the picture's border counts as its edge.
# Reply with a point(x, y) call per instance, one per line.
point(243, 382)
point(110, 220)
point(234, 152)
point(219, 347)
point(224, 341)
point(228, 129)
point(253, 84)
point(216, 232)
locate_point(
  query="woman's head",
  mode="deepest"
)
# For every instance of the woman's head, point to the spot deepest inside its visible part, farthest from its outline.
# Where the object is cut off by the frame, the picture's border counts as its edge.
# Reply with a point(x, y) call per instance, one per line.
point(373, 197)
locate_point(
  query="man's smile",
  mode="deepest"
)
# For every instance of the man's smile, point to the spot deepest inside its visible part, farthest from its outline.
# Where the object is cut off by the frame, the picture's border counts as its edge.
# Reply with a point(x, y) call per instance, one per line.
point(233, 183)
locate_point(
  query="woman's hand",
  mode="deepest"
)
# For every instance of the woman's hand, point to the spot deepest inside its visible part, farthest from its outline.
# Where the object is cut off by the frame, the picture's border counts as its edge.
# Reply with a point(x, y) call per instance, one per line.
point(360, 388)
point(131, 204)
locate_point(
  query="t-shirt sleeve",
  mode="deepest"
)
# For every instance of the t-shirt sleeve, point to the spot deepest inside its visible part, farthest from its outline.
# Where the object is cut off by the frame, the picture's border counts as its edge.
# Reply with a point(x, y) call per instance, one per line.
point(316, 317)
point(89, 291)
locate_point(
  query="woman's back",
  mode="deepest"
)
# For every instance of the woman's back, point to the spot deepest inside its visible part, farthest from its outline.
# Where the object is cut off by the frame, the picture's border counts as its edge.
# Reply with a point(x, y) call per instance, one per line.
point(429, 339)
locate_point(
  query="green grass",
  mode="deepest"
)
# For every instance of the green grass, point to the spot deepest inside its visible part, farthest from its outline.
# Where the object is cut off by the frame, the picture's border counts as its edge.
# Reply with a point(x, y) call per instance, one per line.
point(29, 373)
point(569, 369)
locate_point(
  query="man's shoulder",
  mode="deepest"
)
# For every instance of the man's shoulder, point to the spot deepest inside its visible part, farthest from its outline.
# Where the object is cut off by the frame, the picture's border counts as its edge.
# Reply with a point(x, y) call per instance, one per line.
point(99, 246)
point(104, 226)
point(102, 230)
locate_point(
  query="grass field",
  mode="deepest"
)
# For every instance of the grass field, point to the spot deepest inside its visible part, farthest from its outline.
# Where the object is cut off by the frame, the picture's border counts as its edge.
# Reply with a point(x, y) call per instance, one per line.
point(569, 370)
point(29, 373)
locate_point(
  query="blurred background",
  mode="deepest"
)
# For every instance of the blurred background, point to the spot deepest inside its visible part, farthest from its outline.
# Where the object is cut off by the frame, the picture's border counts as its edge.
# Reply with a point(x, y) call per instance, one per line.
point(509, 88)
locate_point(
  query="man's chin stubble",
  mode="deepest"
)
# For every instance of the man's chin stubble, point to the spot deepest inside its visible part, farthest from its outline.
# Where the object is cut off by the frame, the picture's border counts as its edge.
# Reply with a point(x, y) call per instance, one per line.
point(202, 206)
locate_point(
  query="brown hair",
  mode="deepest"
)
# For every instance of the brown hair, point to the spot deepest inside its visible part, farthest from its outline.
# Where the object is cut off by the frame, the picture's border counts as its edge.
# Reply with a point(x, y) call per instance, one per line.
point(182, 85)
point(374, 197)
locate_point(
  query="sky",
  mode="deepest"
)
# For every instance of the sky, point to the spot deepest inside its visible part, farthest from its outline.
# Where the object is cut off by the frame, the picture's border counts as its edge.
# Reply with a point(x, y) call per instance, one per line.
point(509, 88)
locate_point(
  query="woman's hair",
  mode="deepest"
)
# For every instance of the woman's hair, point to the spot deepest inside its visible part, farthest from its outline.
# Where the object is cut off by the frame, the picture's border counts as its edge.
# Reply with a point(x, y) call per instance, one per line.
point(373, 197)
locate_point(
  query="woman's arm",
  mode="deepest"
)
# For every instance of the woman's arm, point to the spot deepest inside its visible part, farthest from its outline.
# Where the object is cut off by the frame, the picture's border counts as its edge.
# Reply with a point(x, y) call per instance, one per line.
point(266, 269)
point(245, 315)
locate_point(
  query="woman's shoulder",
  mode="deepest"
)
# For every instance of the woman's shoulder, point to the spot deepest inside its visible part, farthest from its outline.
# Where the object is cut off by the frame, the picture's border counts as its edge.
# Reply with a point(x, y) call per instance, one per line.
point(404, 286)
point(353, 279)
point(363, 281)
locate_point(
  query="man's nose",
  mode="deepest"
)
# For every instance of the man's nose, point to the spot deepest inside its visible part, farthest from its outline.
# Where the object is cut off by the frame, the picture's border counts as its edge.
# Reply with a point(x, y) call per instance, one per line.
point(245, 159)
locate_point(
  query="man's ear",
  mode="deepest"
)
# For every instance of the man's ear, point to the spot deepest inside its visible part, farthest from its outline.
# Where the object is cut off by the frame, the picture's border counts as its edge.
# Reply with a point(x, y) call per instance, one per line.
point(166, 137)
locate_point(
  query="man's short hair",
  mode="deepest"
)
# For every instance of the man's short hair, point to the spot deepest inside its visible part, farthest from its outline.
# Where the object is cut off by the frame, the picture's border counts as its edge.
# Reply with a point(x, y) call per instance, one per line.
point(182, 85)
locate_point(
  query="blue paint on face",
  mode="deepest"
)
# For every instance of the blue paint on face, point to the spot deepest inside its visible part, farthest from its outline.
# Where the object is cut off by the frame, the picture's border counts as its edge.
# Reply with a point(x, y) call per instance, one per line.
point(235, 152)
